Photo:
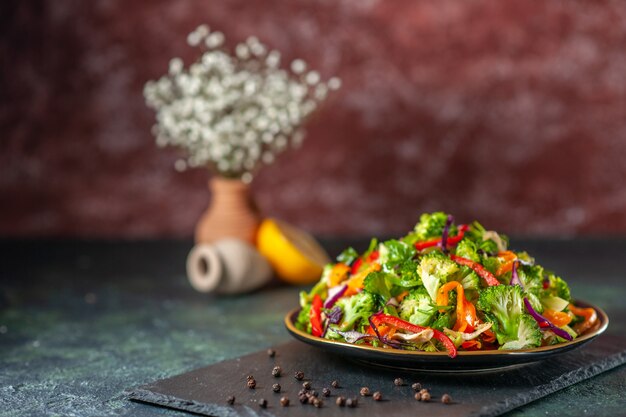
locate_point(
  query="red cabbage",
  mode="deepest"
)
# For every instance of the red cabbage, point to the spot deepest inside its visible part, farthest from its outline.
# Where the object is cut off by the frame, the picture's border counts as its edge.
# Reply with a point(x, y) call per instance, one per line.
point(514, 277)
point(444, 235)
point(335, 315)
point(545, 322)
point(334, 294)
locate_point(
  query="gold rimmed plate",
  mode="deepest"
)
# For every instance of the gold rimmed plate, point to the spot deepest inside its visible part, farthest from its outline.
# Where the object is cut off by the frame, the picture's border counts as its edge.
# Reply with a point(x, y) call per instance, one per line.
point(465, 361)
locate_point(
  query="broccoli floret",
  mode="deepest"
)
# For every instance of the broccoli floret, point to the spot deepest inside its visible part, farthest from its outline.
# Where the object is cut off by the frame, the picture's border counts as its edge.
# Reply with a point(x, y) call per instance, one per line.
point(556, 288)
point(503, 306)
point(467, 249)
point(357, 307)
point(531, 278)
point(417, 307)
point(487, 241)
point(407, 271)
point(528, 334)
point(394, 252)
point(430, 226)
point(470, 281)
point(303, 322)
point(435, 268)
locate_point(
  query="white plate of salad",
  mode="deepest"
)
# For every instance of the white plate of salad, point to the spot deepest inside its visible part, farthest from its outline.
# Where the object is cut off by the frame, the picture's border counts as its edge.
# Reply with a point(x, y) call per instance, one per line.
point(445, 296)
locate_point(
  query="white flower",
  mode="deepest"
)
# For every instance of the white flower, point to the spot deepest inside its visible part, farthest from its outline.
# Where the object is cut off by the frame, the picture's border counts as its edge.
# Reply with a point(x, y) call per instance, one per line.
point(233, 112)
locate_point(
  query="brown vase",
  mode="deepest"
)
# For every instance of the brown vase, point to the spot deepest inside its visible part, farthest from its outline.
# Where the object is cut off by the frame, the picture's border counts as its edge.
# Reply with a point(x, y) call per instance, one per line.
point(231, 214)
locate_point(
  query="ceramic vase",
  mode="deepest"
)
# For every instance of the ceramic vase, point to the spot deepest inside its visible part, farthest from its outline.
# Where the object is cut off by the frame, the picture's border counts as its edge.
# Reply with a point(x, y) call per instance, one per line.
point(231, 213)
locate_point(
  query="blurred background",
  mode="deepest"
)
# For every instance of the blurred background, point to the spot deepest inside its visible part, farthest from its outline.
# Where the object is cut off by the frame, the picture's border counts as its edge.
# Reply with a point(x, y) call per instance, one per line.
point(513, 113)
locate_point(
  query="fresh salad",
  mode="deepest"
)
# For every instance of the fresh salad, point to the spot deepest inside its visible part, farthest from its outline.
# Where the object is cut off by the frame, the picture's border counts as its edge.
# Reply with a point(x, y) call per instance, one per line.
point(443, 286)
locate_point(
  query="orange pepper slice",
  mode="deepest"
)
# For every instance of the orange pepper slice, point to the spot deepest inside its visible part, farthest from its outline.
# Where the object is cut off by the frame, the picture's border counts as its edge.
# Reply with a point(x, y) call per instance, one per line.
point(558, 318)
point(509, 258)
point(589, 314)
point(401, 296)
point(355, 283)
point(465, 311)
point(338, 274)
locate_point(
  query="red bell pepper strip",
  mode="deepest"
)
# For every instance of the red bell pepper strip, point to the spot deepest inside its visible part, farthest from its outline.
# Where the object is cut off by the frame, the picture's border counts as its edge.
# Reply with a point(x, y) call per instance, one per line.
point(452, 240)
point(398, 323)
point(316, 316)
point(373, 256)
point(478, 268)
point(355, 266)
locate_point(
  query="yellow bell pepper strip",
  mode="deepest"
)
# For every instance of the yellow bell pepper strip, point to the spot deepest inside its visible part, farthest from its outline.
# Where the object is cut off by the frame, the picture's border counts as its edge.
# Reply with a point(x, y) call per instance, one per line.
point(465, 311)
point(589, 314)
point(355, 283)
point(315, 315)
point(399, 324)
point(558, 318)
point(478, 268)
point(338, 274)
point(451, 241)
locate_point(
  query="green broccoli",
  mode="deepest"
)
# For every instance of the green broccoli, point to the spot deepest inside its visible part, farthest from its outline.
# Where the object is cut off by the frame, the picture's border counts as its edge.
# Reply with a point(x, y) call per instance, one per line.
point(430, 226)
point(417, 307)
point(357, 307)
point(467, 249)
point(531, 278)
point(435, 268)
point(528, 334)
point(503, 306)
point(556, 288)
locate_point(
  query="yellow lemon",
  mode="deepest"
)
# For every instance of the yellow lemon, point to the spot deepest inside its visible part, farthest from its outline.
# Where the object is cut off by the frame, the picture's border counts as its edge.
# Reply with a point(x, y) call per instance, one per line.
point(294, 254)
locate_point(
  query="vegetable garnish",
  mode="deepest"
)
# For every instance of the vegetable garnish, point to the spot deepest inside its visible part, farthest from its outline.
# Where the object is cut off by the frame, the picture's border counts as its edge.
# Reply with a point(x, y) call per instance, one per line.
point(442, 287)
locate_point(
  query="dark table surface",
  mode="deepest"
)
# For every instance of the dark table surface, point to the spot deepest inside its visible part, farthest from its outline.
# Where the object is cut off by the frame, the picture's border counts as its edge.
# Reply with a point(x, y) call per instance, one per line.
point(81, 321)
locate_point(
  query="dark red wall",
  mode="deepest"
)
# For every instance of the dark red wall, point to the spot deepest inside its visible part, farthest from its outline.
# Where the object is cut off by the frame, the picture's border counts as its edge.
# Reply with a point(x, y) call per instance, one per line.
point(512, 112)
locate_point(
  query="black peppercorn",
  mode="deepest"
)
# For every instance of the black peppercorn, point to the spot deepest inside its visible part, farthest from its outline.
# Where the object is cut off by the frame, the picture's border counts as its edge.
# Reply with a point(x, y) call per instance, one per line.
point(398, 382)
point(418, 396)
point(271, 353)
point(377, 396)
point(311, 399)
point(249, 377)
point(302, 392)
point(276, 387)
point(416, 386)
point(299, 375)
point(318, 403)
point(335, 384)
point(276, 371)
point(365, 391)
point(303, 398)
point(251, 383)
point(426, 396)
point(446, 399)
point(306, 385)
point(315, 393)
point(340, 401)
point(230, 400)
point(263, 403)
point(284, 401)
point(325, 392)
point(352, 402)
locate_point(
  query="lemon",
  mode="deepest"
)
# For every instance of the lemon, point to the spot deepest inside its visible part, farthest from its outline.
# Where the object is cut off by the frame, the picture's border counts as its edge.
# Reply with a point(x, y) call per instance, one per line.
point(294, 254)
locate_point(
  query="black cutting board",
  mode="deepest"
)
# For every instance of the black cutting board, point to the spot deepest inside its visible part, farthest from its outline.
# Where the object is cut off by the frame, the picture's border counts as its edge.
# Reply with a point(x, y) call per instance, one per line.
point(488, 393)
